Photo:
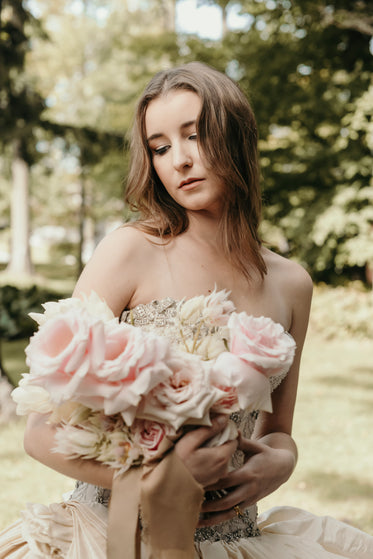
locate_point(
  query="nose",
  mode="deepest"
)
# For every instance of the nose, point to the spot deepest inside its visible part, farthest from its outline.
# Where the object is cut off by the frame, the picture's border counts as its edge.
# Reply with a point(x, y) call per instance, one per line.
point(182, 156)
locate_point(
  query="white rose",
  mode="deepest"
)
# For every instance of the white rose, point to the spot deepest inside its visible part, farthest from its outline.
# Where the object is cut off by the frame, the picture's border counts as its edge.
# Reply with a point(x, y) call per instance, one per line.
point(93, 304)
point(31, 398)
point(191, 309)
point(210, 346)
point(77, 442)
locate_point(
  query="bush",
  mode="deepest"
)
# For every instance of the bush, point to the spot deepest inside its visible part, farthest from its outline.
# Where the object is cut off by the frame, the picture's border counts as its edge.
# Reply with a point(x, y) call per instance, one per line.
point(15, 304)
point(342, 312)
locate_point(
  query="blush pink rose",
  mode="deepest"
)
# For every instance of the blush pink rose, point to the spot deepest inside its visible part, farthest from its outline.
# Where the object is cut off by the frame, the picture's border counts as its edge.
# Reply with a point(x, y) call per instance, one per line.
point(148, 435)
point(64, 350)
point(184, 398)
point(262, 343)
point(104, 366)
point(135, 362)
point(241, 386)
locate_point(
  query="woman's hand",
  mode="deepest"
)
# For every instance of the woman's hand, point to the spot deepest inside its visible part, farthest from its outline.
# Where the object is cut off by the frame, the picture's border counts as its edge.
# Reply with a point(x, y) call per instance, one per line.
point(207, 465)
point(264, 470)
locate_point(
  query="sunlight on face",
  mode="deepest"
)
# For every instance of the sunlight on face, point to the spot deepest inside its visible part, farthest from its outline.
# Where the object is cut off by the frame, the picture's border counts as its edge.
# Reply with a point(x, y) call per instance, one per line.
point(171, 130)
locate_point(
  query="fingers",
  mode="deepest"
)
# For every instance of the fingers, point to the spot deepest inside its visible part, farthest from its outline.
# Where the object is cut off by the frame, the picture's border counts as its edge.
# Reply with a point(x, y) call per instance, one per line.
point(206, 464)
point(233, 479)
point(249, 446)
point(227, 502)
point(218, 424)
point(211, 518)
point(196, 438)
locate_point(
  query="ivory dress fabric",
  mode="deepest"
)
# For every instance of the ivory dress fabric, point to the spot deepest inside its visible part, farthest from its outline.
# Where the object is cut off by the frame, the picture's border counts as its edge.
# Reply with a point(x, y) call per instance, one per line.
point(76, 528)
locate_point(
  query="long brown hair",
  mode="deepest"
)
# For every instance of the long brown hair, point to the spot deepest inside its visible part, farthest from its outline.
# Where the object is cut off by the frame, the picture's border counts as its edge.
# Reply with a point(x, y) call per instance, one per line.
point(227, 137)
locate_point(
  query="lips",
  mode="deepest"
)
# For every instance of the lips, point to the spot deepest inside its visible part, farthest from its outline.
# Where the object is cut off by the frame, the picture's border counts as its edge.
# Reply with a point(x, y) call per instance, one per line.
point(191, 182)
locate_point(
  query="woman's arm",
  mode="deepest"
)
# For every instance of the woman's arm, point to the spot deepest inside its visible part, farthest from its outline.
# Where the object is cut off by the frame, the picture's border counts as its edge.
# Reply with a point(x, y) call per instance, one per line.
point(112, 274)
point(39, 442)
point(271, 455)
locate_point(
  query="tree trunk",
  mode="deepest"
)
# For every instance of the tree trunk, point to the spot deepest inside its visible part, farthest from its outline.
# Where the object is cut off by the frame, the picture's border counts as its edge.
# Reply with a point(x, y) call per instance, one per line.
point(20, 260)
point(81, 221)
point(224, 21)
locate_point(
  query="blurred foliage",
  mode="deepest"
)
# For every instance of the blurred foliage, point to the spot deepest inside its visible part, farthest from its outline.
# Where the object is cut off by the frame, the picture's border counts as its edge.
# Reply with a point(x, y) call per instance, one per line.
point(306, 67)
point(16, 304)
point(342, 312)
point(20, 103)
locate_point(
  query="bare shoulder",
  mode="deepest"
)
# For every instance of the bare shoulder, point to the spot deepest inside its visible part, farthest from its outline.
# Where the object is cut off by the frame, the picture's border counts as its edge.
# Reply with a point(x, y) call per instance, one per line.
point(288, 274)
point(116, 266)
point(294, 287)
point(123, 243)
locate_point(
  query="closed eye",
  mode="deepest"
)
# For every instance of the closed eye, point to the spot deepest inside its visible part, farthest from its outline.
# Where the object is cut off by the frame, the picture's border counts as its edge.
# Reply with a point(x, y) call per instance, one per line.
point(161, 150)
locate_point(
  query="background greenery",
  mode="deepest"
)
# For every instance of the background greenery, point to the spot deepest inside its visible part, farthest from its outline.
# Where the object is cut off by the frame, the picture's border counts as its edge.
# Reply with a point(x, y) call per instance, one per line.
point(72, 70)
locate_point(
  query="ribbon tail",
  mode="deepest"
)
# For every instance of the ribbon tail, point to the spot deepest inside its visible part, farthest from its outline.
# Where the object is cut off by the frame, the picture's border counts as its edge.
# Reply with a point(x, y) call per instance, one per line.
point(171, 500)
point(123, 524)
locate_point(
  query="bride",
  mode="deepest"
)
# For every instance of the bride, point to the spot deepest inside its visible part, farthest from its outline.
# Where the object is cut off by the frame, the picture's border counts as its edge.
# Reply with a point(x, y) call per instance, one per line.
point(194, 180)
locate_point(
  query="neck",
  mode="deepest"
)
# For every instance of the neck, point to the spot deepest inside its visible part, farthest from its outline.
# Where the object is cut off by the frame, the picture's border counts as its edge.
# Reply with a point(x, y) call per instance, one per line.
point(204, 227)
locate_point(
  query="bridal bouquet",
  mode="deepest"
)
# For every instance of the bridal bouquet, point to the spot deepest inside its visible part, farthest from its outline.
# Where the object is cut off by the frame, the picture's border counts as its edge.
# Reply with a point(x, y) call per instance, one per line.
point(115, 390)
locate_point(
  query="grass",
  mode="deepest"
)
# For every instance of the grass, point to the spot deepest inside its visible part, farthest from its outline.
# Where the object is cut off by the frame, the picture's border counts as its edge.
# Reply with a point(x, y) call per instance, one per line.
point(333, 428)
point(57, 277)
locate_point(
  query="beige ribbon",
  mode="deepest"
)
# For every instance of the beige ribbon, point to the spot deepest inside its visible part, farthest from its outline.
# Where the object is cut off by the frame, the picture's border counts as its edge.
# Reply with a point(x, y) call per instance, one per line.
point(169, 499)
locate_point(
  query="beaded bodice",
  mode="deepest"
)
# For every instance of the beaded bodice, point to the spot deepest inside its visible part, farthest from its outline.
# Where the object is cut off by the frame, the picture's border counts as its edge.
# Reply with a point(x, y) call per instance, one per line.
point(159, 316)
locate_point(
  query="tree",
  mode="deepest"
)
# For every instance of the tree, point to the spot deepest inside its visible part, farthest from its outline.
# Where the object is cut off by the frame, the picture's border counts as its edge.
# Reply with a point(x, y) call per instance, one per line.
point(90, 73)
point(306, 66)
point(21, 108)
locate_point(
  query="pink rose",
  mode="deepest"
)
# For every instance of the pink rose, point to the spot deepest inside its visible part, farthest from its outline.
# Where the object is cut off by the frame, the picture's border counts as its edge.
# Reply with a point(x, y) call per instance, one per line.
point(184, 398)
point(261, 343)
point(242, 386)
point(135, 362)
point(63, 351)
point(107, 366)
point(148, 435)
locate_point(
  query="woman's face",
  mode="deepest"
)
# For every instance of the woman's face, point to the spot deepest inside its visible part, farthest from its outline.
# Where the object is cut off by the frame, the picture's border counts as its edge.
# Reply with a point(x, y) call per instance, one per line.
point(171, 132)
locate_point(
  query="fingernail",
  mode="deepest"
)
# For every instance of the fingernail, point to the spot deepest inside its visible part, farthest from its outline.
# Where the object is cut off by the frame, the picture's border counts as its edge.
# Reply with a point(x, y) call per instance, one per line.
point(222, 420)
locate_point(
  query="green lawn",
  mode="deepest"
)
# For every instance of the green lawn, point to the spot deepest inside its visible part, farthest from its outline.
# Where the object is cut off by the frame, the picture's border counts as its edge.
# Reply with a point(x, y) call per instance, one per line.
point(333, 429)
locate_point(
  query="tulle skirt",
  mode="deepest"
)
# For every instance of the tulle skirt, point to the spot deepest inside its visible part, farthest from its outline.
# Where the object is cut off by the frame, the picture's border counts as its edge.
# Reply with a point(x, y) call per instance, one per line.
point(75, 530)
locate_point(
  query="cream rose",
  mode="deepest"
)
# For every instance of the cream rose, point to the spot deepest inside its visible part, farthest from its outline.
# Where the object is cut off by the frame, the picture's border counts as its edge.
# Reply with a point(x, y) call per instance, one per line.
point(92, 304)
point(210, 346)
point(190, 311)
point(31, 398)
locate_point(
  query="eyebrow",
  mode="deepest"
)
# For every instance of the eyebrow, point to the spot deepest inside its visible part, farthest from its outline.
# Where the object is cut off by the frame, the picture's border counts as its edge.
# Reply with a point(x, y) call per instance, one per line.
point(160, 134)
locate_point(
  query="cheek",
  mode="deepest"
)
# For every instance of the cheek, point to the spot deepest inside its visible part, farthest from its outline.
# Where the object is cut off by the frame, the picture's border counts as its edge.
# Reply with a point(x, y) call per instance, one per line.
point(163, 172)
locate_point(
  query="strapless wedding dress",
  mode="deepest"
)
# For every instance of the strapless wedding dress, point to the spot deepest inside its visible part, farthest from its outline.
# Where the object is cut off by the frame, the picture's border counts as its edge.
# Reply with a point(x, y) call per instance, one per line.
point(76, 528)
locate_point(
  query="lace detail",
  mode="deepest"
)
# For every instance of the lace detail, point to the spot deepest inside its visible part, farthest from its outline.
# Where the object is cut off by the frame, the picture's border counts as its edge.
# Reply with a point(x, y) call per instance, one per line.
point(87, 493)
point(158, 316)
